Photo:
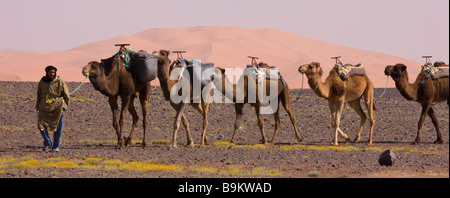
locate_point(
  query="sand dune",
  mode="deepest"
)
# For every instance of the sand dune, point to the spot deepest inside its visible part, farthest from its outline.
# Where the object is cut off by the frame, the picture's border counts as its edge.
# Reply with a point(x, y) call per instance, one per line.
point(224, 46)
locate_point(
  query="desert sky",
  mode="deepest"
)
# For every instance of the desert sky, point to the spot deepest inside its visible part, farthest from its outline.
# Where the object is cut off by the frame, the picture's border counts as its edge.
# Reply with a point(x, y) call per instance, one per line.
point(404, 28)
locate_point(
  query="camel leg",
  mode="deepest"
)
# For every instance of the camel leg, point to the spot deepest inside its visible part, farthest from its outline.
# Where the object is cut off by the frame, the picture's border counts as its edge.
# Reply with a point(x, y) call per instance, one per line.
point(205, 124)
point(144, 98)
point(176, 124)
point(336, 112)
point(185, 122)
point(238, 109)
point(439, 139)
point(203, 108)
point(115, 113)
point(286, 102)
point(261, 125)
point(135, 116)
point(123, 113)
point(425, 108)
point(368, 98)
point(276, 116)
point(355, 105)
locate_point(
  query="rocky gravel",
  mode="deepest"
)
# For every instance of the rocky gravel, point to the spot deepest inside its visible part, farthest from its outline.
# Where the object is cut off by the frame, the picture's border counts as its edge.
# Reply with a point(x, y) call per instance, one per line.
point(88, 135)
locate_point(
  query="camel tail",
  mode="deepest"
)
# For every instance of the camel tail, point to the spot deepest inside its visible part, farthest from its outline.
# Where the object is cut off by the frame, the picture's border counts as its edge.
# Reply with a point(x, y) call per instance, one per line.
point(373, 100)
point(373, 105)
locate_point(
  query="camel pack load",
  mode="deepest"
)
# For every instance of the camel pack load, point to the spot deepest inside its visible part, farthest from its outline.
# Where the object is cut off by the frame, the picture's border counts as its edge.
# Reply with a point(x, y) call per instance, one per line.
point(145, 65)
point(348, 70)
point(436, 70)
point(204, 74)
point(270, 73)
point(262, 69)
point(142, 63)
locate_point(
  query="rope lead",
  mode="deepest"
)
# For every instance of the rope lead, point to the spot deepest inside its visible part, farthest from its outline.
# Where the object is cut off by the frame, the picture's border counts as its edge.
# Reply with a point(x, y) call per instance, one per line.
point(385, 87)
point(87, 75)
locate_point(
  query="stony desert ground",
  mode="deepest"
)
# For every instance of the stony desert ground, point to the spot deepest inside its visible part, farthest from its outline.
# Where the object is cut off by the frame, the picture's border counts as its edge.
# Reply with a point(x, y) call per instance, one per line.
point(89, 140)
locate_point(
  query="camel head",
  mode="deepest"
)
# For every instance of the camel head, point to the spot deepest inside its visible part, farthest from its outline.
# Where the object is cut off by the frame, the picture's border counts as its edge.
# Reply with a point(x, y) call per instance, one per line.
point(218, 73)
point(92, 69)
point(311, 69)
point(163, 57)
point(395, 71)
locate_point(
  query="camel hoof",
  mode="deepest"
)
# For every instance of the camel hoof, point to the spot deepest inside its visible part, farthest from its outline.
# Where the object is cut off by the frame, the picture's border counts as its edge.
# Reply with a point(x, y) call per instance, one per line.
point(416, 142)
point(120, 144)
point(439, 141)
point(357, 139)
point(144, 145)
point(191, 144)
point(348, 139)
point(127, 141)
point(299, 139)
point(173, 145)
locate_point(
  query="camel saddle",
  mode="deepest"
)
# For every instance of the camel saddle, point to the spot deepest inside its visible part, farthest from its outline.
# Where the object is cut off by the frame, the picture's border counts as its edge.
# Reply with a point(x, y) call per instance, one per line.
point(348, 70)
point(143, 64)
point(436, 71)
point(270, 74)
point(205, 73)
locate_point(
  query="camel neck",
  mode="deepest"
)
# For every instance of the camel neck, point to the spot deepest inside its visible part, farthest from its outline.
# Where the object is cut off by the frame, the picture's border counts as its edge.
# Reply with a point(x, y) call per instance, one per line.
point(319, 87)
point(406, 89)
point(107, 85)
point(164, 78)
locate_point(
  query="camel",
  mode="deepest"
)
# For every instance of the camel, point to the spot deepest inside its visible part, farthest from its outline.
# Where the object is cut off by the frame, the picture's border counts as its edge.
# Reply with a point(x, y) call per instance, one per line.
point(337, 92)
point(164, 69)
point(428, 93)
point(120, 83)
point(249, 83)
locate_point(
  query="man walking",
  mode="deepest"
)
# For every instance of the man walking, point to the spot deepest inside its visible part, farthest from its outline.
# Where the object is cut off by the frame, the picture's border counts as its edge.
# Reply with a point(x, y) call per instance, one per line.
point(52, 99)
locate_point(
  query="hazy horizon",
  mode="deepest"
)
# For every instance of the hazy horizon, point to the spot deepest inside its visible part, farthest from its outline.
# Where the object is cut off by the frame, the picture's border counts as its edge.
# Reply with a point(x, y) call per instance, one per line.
point(404, 28)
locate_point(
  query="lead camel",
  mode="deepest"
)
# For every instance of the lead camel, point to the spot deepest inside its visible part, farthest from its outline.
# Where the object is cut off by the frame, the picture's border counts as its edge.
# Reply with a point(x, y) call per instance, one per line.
point(120, 83)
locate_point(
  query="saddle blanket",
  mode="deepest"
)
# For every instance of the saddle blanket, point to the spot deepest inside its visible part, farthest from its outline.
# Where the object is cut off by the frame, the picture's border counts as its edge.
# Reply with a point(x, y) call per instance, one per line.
point(348, 70)
point(435, 71)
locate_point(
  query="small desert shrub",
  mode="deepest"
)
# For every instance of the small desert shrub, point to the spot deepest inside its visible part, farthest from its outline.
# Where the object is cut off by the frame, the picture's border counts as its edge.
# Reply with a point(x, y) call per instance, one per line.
point(314, 174)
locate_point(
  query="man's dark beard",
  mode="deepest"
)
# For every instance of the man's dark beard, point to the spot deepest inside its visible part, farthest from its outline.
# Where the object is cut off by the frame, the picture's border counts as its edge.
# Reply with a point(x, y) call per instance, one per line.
point(47, 78)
